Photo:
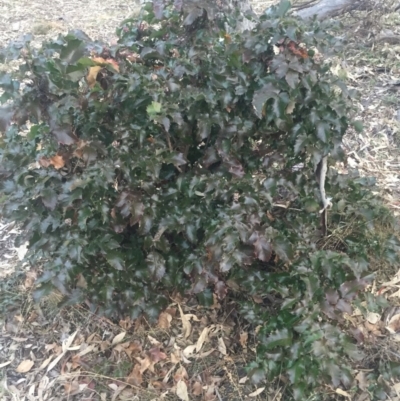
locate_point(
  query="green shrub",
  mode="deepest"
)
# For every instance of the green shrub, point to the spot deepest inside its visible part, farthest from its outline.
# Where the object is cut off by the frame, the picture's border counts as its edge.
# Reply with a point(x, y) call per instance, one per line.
point(162, 163)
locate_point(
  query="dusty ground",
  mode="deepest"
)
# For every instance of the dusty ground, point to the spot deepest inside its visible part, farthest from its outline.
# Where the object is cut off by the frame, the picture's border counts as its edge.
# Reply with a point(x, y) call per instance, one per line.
point(93, 362)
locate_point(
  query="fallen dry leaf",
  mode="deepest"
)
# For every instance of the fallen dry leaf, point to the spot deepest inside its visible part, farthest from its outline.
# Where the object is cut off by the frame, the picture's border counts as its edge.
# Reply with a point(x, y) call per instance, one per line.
point(221, 346)
point(92, 75)
point(181, 390)
point(164, 320)
point(46, 362)
point(135, 377)
point(176, 356)
point(156, 355)
point(363, 382)
point(205, 354)
point(243, 339)
point(25, 366)
point(186, 326)
point(134, 348)
point(202, 339)
point(71, 388)
point(343, 393)
point(192, 316)
point(393, 325)
point(118, 338)
point(57, 161)
point(257, 392)
point(180, 374)
point(197, 389)
point(189, 351)
point(153, 341)
point(110, 61)
point(145, 363)
point(2, 365)
point(93, 71)
point(373, 318)
point(30, 279)
point(65, 347)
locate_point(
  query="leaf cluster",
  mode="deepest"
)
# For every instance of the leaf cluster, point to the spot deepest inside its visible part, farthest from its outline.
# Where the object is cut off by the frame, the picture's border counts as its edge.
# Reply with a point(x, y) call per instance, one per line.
point(181, 160)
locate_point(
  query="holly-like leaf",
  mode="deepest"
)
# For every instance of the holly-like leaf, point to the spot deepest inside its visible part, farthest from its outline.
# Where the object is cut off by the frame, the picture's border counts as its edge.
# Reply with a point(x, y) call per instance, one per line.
point(153, 108)
point(261, 96)
point(178, 159)
point(322, 131)
point(116, 260)
point(158, 8)
point(262, 247)
point(72, 51)
point(156, 265)
point(49, 198)
point(284, 7)
point(292, 78)
point(194, 13)
point(6, 114)
point(280, 338)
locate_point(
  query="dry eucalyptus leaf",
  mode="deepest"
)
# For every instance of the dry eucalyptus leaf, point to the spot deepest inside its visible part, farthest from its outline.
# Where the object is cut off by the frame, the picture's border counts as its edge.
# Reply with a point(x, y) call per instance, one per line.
point(343, 393)
point(181, 390)
point(257, 392)
point(118, 338)
point(46, 362)
point(25, 366)
point(2, 365)
point(186, 326)
point(203, 337)
point(153, 341)
point(189, 351)
point(221, 346)
point(205, 354)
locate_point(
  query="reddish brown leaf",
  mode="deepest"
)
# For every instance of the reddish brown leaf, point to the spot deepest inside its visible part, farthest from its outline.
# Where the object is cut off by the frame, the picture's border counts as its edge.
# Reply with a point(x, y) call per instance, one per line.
point(134, 348)
point(156, 355)
point(243, 339)
point(135, 377)
point(164, 321)
point(57, 161)
point(197, 389)
point(180, 374)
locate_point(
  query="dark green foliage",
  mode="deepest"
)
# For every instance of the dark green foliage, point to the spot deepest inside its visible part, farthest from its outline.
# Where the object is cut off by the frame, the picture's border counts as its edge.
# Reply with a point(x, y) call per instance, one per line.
point(160, 171)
